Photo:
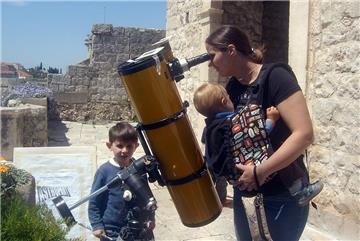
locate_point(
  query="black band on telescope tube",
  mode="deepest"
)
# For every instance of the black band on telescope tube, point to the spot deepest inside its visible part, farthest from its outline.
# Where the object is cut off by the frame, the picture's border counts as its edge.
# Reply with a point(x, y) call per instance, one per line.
point(165, 121)
point(201, 172)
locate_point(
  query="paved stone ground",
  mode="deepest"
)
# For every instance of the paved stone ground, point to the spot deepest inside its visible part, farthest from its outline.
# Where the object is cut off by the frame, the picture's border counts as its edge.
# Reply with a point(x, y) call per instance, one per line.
point(169, 226)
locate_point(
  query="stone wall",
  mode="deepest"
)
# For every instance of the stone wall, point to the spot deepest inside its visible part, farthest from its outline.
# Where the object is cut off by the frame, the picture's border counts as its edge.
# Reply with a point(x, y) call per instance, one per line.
point(333, 99)
point(275, 31)
point(269, 25)
point(92, 89)
point(23, 126)
point(184, 28)
point(241, 13)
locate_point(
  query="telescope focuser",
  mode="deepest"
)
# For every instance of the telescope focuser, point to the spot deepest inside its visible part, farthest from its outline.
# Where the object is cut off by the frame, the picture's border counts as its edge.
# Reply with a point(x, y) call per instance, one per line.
point(178, 66)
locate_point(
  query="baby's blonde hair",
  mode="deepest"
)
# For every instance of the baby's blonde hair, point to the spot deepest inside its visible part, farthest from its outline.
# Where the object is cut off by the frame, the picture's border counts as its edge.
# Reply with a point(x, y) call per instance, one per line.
point(208, 98)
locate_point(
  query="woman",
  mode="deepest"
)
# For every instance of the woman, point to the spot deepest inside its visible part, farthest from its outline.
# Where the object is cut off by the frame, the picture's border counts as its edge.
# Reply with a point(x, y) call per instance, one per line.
point(234, 57)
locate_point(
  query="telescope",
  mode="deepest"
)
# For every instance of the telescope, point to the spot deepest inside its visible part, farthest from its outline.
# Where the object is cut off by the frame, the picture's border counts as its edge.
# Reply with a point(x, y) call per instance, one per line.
point(173, 157)
point(150, 82)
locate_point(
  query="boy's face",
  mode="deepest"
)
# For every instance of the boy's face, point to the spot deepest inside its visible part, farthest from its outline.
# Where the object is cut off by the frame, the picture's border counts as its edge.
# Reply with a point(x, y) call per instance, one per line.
point(122, 150)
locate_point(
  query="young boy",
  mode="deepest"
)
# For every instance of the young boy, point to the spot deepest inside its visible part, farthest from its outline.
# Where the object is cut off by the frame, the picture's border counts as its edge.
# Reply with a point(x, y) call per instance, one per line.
point(212, 101)
point(109, 211)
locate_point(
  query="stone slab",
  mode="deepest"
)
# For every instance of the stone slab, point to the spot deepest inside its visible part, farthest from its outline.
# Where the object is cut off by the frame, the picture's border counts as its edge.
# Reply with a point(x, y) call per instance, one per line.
point(65, 171)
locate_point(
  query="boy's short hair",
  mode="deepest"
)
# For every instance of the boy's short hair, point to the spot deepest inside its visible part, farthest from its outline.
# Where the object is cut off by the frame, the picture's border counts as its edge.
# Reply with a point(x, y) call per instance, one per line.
point(208, 97)
point(123, 131)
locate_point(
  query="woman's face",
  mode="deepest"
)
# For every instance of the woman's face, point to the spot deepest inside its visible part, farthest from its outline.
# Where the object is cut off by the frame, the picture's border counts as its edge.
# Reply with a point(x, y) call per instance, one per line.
point(220, 60)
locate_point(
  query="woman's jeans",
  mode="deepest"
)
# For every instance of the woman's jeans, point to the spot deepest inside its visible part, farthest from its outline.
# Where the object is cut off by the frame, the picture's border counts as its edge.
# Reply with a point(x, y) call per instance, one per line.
point(286, 220)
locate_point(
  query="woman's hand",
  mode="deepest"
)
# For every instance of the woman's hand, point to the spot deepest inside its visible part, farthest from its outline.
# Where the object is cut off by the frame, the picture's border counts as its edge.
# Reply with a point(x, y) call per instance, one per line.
point(247, 180)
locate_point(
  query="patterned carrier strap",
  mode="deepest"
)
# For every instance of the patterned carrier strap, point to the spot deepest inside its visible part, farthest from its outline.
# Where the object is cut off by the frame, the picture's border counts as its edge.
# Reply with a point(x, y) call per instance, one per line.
point(249, 143)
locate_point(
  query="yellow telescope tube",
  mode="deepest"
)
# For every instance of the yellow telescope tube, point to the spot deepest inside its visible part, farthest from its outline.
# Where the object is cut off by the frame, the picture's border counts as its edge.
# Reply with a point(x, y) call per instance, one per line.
point(159, 109)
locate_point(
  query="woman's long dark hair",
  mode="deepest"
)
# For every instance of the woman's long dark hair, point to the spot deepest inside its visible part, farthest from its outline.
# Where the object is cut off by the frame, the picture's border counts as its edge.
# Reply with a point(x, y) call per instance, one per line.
point(230, 34)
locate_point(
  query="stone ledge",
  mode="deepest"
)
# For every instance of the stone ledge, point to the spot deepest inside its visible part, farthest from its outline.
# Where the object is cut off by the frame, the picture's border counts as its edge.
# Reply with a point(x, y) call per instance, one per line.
point(22, 126)
point(35, 101)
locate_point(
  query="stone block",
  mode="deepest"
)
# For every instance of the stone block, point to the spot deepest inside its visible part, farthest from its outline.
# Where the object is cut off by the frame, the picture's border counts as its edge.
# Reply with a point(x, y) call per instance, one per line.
point(105, 29)
point(11, 135)
point(19, 128)
point(71, 98)
point(27, 191)
point(61, 88)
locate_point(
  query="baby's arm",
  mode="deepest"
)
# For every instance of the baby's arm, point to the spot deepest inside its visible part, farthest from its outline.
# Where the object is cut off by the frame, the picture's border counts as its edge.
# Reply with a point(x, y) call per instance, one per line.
point(99, 233)
point(151, 224)
point(273, 115)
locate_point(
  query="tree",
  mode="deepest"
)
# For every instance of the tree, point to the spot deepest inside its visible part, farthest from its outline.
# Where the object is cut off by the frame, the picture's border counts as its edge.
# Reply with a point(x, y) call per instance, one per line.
point(37, 72)
point(53, 70)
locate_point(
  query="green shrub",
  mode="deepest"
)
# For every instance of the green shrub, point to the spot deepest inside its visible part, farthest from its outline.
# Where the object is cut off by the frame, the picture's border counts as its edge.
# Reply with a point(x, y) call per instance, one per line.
point(11, 178)
point(23, 222)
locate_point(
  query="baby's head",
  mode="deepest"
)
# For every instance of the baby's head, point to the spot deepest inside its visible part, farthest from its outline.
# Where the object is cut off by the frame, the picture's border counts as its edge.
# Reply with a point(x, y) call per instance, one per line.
point(210, 99)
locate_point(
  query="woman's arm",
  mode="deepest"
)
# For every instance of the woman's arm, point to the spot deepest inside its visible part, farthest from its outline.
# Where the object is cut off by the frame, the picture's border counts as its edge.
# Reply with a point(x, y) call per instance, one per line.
point(295, 114)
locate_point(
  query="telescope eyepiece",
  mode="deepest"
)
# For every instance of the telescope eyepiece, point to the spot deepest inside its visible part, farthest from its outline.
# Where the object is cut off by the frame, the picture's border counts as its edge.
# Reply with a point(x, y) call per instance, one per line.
point(198, 59)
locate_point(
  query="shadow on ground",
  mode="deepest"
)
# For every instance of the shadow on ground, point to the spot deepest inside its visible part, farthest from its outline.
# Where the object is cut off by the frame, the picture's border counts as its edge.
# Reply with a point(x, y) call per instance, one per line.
point(57, 133)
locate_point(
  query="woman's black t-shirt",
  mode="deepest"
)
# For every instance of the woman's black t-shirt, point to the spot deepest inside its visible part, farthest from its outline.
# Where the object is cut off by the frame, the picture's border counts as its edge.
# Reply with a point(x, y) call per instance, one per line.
point(279, 85)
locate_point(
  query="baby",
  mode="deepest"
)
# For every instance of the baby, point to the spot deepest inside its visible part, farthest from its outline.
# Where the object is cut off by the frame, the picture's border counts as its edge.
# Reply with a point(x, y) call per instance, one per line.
point(212, 101)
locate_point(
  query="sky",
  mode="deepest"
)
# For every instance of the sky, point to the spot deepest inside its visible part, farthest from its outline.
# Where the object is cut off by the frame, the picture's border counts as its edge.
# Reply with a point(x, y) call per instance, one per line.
point(54, 32)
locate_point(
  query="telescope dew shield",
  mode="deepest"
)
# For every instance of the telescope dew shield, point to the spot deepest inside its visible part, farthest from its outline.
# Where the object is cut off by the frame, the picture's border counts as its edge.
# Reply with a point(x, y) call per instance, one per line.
point(159, 109)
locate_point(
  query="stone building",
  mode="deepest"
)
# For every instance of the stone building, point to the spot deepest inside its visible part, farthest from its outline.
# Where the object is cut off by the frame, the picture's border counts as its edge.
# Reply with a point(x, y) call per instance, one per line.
point(321, 41)
point(92, 90)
